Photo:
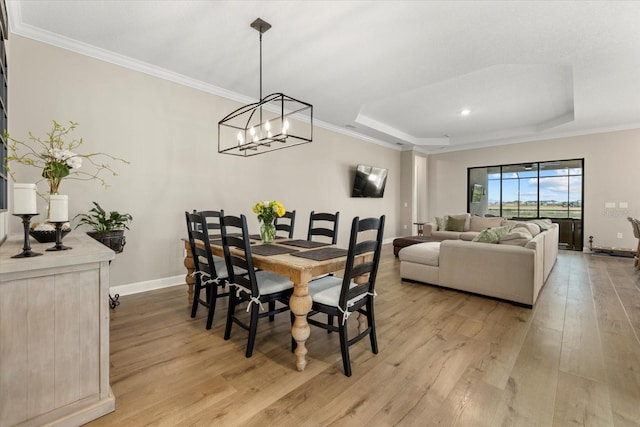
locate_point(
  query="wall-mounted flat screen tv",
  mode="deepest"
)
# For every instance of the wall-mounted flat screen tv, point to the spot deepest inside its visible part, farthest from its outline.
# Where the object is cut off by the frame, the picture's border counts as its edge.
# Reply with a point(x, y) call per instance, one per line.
point(369, 181)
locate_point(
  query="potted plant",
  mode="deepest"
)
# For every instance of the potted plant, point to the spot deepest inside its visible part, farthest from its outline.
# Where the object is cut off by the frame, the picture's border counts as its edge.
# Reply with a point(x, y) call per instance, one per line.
point(109, 228)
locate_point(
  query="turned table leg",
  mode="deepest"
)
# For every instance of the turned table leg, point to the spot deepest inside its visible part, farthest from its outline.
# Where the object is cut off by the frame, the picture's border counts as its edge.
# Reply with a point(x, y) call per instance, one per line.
point(189, 279)
point(300, 304)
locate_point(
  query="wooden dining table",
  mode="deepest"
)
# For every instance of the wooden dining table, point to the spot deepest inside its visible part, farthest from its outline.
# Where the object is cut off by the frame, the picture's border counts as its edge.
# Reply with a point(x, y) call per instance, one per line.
point(299, 271)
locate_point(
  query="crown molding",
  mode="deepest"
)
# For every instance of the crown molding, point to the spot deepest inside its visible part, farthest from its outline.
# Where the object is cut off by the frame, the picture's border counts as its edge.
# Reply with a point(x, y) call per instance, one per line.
point(16, 26)
point(24, 30)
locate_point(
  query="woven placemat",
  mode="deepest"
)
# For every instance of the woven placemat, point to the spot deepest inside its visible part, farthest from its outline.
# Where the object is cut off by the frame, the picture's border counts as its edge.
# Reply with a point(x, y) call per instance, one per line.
point(257, 237)
point(322, 254)
point(267, 250)
point(304, 243)
point(218, 242)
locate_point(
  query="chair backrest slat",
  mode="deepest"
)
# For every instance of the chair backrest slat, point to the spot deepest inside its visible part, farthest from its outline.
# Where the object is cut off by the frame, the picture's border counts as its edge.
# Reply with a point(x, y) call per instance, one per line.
point(199, 242)
point(235, 235)
point(288, 225)
point(327, 230)
point(356, 268)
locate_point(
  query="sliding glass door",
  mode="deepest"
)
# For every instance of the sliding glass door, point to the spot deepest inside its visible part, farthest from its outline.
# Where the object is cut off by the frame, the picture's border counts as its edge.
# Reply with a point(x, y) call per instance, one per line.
point(551, 189)
point(527, 190)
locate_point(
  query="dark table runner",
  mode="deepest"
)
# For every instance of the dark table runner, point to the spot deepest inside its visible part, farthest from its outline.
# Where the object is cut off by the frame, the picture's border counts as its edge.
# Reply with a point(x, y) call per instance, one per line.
point(322, 254)
point(257, 237)
point(304, 243)
point(218, 242)
point(267, 250)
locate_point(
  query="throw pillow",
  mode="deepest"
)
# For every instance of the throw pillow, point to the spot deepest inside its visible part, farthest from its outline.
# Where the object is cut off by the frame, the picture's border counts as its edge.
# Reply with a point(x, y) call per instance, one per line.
point(455, 224)
point(491, 235)
point(466, 217)
point(533, 228)
point(518, 236)
point(544, 224)
point(441, 222)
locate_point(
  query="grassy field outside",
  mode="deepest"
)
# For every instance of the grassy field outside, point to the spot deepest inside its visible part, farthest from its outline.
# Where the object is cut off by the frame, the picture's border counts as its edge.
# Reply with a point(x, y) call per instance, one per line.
point(511, 210)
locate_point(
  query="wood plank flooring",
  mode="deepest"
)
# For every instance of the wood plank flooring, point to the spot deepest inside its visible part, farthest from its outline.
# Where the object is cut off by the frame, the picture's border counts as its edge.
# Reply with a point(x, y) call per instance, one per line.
point(446, 359)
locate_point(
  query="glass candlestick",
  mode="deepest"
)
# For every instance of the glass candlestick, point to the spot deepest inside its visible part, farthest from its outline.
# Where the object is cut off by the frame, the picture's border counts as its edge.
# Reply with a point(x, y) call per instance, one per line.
point(26, 250)
point(59, 246)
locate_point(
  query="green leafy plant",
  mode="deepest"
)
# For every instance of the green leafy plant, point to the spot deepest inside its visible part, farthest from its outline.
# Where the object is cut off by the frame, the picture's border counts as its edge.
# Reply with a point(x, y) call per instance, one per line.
point(101, 222)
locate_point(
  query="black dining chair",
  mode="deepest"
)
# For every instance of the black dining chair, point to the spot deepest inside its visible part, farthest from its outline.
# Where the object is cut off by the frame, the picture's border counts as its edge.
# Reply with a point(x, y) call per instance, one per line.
point(286, 223)
point(635, 225)
point(210, 271)
point(324, 224)
point(253, 287)
point(353, 293)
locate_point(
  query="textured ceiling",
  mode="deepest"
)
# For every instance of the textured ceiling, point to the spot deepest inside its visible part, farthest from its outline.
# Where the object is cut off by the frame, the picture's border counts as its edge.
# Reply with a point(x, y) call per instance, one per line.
point(392, 72)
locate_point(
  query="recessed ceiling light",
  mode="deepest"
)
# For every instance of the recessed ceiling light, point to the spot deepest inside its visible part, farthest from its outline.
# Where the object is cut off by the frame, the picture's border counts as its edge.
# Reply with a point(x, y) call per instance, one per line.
point(465, 112)
point(350, 126)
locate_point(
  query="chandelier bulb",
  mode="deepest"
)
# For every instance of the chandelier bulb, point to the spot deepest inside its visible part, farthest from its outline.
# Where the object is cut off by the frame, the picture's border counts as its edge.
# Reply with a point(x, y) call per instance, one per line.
point(267, 125)
point(252, 131)
point(240, 138)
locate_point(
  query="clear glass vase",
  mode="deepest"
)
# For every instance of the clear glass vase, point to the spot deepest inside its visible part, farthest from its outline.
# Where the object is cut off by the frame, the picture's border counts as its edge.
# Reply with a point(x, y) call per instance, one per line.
point(267, 231)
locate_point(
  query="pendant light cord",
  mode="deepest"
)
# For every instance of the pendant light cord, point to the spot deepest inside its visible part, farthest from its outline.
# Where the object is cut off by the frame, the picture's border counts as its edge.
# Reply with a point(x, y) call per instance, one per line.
point(260, 66)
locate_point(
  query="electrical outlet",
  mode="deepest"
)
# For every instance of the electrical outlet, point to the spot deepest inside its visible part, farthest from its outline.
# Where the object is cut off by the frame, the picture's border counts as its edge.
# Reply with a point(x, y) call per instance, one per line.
point(619, 235)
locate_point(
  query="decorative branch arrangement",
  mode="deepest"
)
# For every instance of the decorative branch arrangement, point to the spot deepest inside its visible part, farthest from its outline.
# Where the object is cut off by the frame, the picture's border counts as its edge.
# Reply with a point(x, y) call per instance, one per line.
point(57, 158)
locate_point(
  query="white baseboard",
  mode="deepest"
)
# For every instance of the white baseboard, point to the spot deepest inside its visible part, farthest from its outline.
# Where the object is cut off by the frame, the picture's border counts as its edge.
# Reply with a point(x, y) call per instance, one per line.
point(149, 285)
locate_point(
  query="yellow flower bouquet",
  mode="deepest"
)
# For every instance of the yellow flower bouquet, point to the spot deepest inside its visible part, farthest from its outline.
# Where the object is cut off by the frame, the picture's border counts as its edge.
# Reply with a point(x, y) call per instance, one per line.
point(267, 212)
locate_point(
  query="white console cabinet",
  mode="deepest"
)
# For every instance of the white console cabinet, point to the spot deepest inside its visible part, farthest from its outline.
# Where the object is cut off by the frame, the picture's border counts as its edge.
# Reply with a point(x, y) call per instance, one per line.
point(54, 333)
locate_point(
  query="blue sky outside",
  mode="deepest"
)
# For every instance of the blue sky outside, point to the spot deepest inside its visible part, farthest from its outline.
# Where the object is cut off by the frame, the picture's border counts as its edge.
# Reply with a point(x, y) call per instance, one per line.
point(555, 185)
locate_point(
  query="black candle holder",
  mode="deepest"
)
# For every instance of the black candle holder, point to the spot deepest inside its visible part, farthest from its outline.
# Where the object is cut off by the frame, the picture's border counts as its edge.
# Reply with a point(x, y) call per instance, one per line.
point(26, 250)
point(59, 246)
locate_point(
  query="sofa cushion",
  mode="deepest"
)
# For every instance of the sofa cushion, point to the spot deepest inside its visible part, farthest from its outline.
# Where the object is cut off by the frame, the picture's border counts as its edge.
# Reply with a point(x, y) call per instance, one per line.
point(508, 223)
point(427, 253)
point(445, 235)
point(455, 224)
point(468, 236)
point(491, 235)
point(532, 244)
point(441, 222)
point(534, 229)
point(517, 236)
point(478, 223)
point(544, 224)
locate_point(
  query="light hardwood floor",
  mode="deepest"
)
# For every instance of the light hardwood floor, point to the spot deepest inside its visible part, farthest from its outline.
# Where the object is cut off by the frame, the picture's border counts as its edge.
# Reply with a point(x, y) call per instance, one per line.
point(446, 358)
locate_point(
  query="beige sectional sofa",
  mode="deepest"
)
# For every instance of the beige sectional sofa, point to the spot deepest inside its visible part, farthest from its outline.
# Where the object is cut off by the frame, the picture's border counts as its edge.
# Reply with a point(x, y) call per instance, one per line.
point(513, 272)
point(473, 225)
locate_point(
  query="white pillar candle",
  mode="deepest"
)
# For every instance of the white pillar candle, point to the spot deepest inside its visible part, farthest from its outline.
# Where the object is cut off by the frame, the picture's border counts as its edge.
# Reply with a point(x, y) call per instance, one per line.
point(58, 208)
point(24, 199)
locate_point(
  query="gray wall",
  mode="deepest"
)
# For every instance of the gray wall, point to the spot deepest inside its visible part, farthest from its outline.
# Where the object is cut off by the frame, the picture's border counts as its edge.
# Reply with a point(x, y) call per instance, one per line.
point(169, 133)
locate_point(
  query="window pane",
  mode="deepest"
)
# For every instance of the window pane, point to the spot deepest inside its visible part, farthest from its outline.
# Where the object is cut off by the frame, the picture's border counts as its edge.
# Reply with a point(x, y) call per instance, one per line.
point(528, 190)
point(554, 197)
point(575, 197)
point(509, 198)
